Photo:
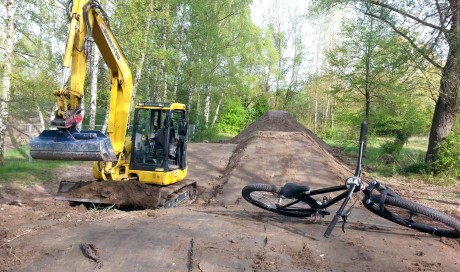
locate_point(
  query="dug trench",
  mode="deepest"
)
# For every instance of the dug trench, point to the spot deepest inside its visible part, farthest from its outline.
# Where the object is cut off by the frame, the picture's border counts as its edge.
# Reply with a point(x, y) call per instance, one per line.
point(220, 231)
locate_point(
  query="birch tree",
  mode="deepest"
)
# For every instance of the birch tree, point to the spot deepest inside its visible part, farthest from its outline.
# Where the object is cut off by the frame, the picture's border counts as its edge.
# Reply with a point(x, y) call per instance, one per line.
point(93, 88)
point(7, 60)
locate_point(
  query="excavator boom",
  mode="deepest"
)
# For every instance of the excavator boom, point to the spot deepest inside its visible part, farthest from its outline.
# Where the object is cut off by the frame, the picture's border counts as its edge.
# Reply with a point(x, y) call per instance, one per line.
point(88, 22)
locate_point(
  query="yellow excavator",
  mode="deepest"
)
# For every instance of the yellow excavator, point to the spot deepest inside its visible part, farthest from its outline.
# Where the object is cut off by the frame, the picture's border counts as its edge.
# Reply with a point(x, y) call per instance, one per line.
point(155, 153)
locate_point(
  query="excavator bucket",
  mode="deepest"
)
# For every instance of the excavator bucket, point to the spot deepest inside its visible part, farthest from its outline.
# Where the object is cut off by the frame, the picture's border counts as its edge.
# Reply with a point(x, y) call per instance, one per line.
point(71, 144)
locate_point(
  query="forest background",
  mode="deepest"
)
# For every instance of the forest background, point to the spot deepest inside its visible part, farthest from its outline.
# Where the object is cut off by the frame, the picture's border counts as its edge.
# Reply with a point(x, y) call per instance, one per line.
point(331, 64)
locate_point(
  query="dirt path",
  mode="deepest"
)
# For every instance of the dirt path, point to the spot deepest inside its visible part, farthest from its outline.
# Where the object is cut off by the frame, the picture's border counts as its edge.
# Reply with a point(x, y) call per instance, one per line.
point(219, 231)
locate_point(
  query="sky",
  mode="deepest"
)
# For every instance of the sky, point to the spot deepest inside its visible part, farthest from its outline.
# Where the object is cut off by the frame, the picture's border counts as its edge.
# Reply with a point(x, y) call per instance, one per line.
point(316, 36)
point(261, 7)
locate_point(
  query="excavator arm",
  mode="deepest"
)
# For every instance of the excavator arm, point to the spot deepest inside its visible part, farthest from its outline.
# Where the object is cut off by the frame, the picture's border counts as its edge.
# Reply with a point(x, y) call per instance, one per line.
point(88, 23)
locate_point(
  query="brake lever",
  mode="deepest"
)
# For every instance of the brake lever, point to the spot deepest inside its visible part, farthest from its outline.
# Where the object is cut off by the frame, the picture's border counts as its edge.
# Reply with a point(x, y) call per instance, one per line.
point(345, 216)
point(344, 219)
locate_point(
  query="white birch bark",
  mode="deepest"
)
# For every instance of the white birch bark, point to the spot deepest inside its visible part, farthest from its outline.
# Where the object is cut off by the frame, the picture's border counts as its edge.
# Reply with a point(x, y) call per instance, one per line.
point(177, 77)
point(93, 89)
point(40, 117)
point(106, 120)
point(207, 106)
point(7, 59)
point(163, 63)
point(198, 109)
point(328, 105)
point(190, 98)
point(316, 111)
point(217, 110)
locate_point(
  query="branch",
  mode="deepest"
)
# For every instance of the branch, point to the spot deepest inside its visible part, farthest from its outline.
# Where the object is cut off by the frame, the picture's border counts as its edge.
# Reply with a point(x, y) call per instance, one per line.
point(438, 8)
point(227, 16)
point(412, 43)
point(405, 14)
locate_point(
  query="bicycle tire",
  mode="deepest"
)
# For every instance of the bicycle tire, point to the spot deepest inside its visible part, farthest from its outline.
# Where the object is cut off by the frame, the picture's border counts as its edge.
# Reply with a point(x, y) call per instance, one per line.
point(266, 196)
point(415, 216)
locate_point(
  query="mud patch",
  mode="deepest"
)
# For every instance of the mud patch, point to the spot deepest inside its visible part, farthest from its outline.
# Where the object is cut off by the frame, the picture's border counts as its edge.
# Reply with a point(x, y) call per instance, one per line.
point(121, 193)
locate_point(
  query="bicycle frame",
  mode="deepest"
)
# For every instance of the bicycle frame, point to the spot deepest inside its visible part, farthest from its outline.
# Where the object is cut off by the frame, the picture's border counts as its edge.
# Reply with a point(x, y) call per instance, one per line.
point(307, 197)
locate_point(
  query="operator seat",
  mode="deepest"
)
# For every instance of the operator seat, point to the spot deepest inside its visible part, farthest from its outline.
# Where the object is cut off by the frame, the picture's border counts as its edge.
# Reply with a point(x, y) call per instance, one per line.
point(160, 139)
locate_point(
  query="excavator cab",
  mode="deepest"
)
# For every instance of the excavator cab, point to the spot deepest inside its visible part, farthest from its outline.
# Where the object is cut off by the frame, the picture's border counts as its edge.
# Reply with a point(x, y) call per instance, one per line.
point(159, 137)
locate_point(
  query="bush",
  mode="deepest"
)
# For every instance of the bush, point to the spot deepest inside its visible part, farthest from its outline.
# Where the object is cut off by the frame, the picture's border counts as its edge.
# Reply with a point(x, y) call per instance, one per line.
point(233, 117)
point(417, 168)
point(448, 161)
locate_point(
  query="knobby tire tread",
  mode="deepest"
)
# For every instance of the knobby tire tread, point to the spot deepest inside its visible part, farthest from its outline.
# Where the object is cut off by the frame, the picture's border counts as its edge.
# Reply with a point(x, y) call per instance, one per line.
point(449, 221)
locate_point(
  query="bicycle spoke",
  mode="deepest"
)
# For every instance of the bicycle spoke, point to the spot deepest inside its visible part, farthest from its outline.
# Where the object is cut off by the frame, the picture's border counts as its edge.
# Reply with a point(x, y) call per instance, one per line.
point(268, 197)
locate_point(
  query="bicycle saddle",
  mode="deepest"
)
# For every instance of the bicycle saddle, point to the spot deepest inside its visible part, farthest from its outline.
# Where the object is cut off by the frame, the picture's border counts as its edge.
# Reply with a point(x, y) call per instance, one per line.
point(292, 190)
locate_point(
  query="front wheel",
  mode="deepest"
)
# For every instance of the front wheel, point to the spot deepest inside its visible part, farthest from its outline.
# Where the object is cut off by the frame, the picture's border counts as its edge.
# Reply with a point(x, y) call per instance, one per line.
point(268, 197)
point(414, 216)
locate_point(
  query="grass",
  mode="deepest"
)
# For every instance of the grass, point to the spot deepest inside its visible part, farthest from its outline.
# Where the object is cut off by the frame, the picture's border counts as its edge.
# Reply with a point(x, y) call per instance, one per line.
point(381, 164)
point(18, 170)
point(211, 137)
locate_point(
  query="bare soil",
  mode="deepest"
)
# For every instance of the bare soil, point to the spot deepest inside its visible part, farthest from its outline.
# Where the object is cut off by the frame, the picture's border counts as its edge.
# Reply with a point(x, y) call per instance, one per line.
point(220, 231)
point(130, 193)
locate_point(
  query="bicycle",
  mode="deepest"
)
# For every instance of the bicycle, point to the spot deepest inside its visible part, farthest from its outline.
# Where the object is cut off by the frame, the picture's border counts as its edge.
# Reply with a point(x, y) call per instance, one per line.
point(378, 199)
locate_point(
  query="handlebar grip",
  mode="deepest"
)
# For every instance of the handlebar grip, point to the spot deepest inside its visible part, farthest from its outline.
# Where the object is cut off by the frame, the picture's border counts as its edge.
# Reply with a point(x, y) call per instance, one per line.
point(362, 136)
point(331, 226)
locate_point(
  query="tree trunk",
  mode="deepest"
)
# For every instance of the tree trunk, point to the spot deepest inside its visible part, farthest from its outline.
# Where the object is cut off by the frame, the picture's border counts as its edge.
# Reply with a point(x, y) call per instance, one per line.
point(137, 77)
point(198, 109)
point(332, 116)
point(207, 106)
point(217, 110)
point(328, 104)
point(316, 111)
point(93, 93)
point(140, 64)
point(106, 120)
point(178, 65)
point(164, 72)
point(41, 118)
point(446, 108)
point(190, 97)
point(8, 66)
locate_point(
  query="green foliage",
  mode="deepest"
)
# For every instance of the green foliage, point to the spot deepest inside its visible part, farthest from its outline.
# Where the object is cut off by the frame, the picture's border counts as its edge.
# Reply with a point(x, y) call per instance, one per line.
point(448, 162)
point(233, 117)
point(419, 168)
point(260, 107)
point(409, 161)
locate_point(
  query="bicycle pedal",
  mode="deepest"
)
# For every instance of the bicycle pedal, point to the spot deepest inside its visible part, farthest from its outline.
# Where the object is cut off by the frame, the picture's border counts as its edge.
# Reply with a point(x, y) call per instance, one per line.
point(323, 213)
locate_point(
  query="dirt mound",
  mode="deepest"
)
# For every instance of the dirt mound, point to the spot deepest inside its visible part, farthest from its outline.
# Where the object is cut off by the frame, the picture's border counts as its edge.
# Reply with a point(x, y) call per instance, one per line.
point(277, 157)
point(126, 193)
point(277, 149)
point(275, 121)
